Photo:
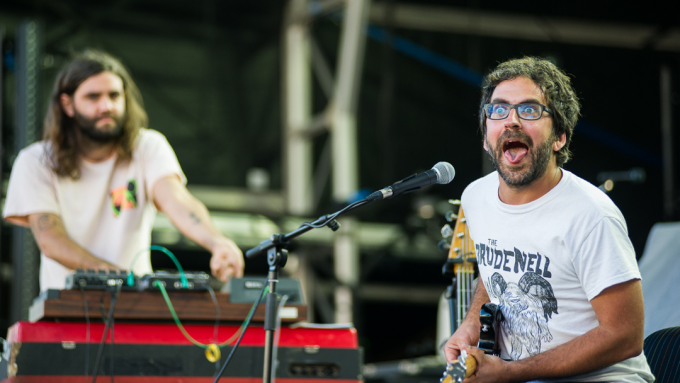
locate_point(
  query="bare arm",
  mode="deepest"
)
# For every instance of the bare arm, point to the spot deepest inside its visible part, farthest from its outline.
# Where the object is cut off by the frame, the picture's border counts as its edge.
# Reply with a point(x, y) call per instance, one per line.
point(191, 218)
point(54, 242)
point(468, 332)
point(619, 336)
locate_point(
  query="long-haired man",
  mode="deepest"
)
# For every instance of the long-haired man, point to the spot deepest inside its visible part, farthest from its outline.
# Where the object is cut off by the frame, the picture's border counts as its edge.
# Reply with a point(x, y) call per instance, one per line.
point(90, 189)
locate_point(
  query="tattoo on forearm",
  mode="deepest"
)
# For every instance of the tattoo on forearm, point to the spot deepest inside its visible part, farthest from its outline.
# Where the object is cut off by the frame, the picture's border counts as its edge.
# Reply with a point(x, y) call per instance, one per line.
point(195, 217)
point(46, 222)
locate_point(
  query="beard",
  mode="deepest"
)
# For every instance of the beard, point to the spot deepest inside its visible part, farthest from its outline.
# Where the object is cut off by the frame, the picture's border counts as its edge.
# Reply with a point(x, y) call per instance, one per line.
point(88, 127)
point(540, 158)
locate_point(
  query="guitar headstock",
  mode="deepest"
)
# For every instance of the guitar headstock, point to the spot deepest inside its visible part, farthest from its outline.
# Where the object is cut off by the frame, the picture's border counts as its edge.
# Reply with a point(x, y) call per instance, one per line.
point(462, 248)
point(447, 231)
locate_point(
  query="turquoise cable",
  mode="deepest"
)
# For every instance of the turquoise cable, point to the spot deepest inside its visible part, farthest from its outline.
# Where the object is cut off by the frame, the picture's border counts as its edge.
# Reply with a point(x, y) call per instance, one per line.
point(182, 276)
point(186, 334)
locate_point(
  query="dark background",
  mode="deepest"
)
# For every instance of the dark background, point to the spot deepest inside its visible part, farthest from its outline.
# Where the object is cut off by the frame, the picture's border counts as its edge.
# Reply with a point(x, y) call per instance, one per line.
point(210, 74)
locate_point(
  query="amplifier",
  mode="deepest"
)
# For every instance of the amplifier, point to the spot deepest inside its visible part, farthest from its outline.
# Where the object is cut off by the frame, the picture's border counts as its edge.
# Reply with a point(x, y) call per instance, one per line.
point(154, 353)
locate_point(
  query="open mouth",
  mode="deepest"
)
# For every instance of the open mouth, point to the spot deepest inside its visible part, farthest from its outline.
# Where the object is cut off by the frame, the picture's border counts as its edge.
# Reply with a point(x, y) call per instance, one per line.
point(515, 151)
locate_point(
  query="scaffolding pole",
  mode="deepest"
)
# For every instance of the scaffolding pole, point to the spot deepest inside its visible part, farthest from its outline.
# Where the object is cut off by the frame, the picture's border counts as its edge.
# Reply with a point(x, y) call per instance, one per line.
point(340, 120)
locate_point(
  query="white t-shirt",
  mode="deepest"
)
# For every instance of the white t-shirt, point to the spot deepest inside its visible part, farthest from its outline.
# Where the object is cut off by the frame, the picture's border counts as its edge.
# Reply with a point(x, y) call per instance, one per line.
point(545, 260)
point(109, 211)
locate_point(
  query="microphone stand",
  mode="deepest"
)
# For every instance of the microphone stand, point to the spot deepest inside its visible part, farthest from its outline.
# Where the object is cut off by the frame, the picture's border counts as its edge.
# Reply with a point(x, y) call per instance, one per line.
point(277, 255)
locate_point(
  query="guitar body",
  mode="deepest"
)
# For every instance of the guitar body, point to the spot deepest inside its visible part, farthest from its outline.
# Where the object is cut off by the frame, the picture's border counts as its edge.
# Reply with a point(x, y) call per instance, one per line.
point(490, 317)
point(464, 367)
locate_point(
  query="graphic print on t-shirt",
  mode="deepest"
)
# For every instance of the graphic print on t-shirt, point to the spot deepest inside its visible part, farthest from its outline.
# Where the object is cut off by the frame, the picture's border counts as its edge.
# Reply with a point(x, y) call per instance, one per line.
point(527, 306)
point(124, 197)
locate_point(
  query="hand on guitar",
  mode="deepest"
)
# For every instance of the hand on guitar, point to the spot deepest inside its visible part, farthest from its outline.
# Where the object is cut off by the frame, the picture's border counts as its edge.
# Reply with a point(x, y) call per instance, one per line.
point(490, 368)
point(467, 334)
point(463, 368)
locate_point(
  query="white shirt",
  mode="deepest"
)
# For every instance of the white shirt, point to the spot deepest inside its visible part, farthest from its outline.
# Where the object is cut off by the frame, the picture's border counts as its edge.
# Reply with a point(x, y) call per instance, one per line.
point(545, 260)
point(109, 211)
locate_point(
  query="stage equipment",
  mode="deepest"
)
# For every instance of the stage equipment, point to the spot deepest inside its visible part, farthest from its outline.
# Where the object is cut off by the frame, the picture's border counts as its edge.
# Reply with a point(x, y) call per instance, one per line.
point(149, 353)
point(195, 280)
point(148, 305)
point(245, 290)
point(99, 280)
point(607, 179)
point(277, 254)
point(441, 173)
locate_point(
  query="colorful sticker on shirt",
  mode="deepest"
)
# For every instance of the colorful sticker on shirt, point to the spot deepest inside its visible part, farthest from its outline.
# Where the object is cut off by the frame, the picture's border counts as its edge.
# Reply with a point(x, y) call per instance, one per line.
point(124, 198)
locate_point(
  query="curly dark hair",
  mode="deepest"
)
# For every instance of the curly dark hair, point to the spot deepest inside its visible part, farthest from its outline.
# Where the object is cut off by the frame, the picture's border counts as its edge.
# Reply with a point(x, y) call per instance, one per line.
point(59, 128)
point(556, 88)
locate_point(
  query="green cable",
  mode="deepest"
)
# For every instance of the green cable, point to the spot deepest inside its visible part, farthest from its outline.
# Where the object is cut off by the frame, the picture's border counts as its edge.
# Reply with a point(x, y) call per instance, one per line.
point(182, 277)
point(179, 324)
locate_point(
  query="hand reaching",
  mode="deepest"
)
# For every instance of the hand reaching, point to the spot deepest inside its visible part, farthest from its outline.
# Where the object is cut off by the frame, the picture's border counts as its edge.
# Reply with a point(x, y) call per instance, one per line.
point(227, 260)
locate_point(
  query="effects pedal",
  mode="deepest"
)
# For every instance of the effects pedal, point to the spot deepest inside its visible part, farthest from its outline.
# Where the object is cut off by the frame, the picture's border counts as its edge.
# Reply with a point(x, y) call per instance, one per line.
point(99, 280)
point(196, 280)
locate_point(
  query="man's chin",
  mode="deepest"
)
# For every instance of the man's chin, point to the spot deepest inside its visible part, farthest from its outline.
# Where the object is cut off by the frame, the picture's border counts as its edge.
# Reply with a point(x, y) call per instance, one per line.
point(103, 136)
point(515, 175)
point(107, 126)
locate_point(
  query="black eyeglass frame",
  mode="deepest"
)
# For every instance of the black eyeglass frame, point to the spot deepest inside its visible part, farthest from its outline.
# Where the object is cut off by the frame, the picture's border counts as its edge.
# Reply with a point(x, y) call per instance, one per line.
point(515, 106)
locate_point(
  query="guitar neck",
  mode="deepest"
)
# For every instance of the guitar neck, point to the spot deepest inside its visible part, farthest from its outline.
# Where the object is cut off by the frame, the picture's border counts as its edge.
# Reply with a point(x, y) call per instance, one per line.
point(462, 254)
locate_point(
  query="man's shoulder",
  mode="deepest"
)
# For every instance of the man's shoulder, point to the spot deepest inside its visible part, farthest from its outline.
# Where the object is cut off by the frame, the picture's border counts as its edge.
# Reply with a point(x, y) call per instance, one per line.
point(589, 197)
point(33, 152)
point(146, 134)
point(475, 188)
point(149, 139)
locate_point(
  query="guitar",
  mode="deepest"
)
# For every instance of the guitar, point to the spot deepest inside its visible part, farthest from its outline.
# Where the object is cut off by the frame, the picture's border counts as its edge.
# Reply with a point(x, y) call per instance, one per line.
point(460, 265)
point(460, 369)
point(490, 316)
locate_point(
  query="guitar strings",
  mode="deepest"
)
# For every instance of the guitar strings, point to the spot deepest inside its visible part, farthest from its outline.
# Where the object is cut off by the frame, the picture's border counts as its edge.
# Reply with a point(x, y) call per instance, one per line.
point(465, 279)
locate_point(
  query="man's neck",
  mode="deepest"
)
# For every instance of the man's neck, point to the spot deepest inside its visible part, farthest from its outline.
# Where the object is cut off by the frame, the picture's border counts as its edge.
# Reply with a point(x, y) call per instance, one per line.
point(93, 151)
point(518, 195)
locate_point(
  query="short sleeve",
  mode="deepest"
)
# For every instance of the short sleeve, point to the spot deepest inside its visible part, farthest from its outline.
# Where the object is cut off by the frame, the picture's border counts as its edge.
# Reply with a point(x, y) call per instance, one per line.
point(31, 188)
point(159, 159)
point(606, 258)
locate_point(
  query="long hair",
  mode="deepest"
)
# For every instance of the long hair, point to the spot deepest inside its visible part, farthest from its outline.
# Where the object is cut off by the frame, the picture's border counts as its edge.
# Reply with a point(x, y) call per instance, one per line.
point(60, 130)
point(556, 88)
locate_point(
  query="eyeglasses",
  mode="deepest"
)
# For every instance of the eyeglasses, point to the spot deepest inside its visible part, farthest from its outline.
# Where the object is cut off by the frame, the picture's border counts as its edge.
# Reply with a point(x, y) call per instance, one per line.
point(528, 111)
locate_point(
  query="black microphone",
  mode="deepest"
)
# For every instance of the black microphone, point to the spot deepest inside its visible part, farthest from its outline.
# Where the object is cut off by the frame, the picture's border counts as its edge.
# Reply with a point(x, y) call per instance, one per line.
point(634, 175)
point(441, 173)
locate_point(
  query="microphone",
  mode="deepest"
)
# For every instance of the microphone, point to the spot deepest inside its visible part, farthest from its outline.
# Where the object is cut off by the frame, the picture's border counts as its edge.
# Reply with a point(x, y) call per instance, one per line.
point(441, 173)
point(634, 175)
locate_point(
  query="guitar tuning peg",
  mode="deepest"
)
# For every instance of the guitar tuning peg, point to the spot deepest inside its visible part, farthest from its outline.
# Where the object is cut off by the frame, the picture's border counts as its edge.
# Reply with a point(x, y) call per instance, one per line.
point(450, 216)
point(455, 202)
point(444, 245)
point(446, 231)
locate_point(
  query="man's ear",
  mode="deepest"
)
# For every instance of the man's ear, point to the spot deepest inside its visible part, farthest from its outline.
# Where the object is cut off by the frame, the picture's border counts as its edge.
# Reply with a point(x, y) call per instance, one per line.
point(66, 102)
point(486, 147)
point(560, 142)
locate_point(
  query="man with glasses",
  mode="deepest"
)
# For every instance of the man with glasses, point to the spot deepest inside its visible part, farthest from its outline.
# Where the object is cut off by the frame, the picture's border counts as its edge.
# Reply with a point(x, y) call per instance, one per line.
point(553, 250)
